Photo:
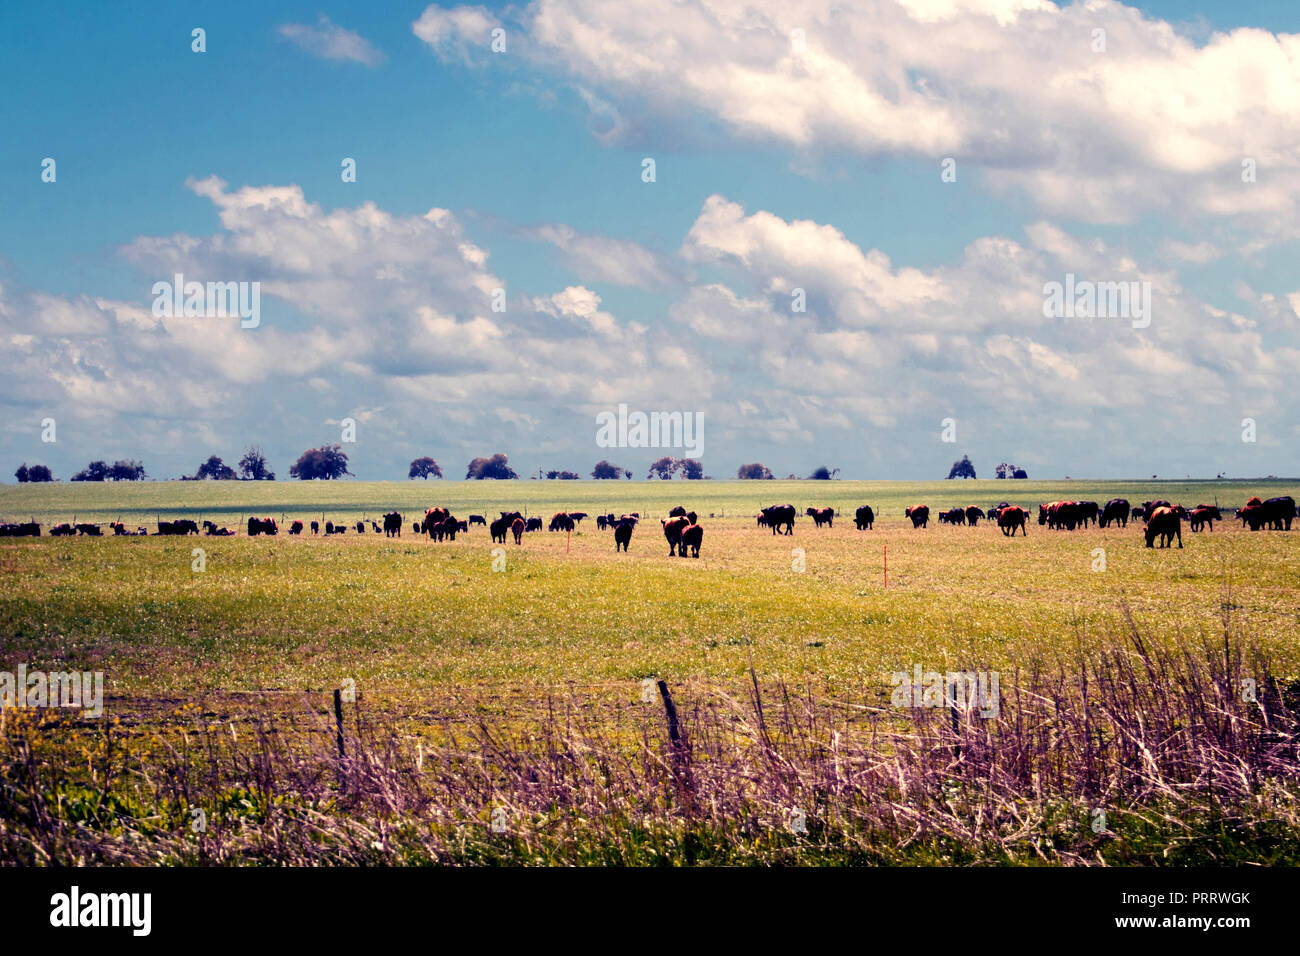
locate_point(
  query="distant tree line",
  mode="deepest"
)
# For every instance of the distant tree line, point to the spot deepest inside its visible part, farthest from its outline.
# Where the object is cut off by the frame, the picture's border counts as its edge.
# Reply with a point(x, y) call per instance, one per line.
point(330, 462)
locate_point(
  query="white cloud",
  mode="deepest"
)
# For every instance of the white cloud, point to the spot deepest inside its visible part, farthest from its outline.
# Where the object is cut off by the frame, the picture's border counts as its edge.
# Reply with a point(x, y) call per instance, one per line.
point(1156, 121)
point(329, 41)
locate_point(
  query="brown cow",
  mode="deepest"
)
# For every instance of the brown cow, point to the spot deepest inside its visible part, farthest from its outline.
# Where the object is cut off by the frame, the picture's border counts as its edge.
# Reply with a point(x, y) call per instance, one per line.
point(673, 529)
point(692, 537)
point(1165, 523)
point(517, 529)
point(1011, 517)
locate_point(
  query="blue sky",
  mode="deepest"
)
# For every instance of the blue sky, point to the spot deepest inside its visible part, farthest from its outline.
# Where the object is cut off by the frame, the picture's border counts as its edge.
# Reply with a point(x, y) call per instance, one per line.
point(773, 171)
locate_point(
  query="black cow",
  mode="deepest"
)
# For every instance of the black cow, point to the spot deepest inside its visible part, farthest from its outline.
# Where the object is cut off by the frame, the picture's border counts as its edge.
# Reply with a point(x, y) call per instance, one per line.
point(623, 534)
point(779, 516)
point(820, 516)
point(864, 518)
point(392, 524)
point(1117, 511)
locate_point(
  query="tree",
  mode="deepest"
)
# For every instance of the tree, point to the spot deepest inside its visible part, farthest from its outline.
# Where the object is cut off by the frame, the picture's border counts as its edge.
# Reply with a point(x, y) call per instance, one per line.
point(325, 463)
point(216, 470)
point(40, 473)
point(95, 471)
point(690, 469)
point(127, 470)
point(423, 468)
point(1008, 471)
point(754, 471)
point(563, 475)
point(604, 469)
point(823, 473)
point(962, 469)
point(495, 467)
point(663, 468)
point(253, 465)
point(1020, 473)
point(21, 474)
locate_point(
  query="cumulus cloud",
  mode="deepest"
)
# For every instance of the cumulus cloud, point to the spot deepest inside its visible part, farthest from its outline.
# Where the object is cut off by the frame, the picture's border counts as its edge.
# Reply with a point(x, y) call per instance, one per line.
point(394, 321)
point(1095, 111)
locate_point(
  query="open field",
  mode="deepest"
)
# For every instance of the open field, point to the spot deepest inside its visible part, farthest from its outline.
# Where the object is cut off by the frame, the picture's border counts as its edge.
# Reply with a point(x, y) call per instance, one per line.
point(443, 649)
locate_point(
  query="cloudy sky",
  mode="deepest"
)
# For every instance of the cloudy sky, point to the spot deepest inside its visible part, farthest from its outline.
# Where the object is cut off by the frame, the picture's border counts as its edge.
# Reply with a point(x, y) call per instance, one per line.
point(915, 172)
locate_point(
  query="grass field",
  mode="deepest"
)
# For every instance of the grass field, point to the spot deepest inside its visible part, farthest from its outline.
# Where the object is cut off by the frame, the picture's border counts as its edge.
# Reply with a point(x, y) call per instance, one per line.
point(445, 651)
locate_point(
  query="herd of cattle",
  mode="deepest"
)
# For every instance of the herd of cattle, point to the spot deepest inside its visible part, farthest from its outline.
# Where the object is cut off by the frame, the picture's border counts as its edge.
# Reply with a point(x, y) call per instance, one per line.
point(1163, 519)
point(684, 533)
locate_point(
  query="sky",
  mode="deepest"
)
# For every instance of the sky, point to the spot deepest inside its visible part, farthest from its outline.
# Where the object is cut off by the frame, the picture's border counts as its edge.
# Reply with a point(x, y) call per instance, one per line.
point(845, 256)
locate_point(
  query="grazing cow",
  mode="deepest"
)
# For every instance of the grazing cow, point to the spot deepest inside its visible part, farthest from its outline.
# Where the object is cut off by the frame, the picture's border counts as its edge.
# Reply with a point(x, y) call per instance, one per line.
point(415, 527)
point(118, 527)
point(1203, 515)
point(577, 516)
point(533, 524)
point(820, 516)
point(392, 524)
point(517, 528)
point(973, 516)
point(561, 522)
point(692, 537)
point(89, 529)
point(30, 529)
point(920, 515)
point(953, 516)
point(449, 528)
point(1164, 521)
point(1086, 511)
point(1011, 517)
point(779, 516)
point(315, 527)
point(478, 519)
point(623, 534)
point(60, 530)
point(374, 526)
point(677, 512)
point(498, 530)
point(1066, 515)
point(258, 526)
point(1116, 510)
point(361, 527)
point(329, 527)
point(295, 528)
point(864, 518)
point(462, 526)
point(602, 522)
point(433, 518)
point(673, 529)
